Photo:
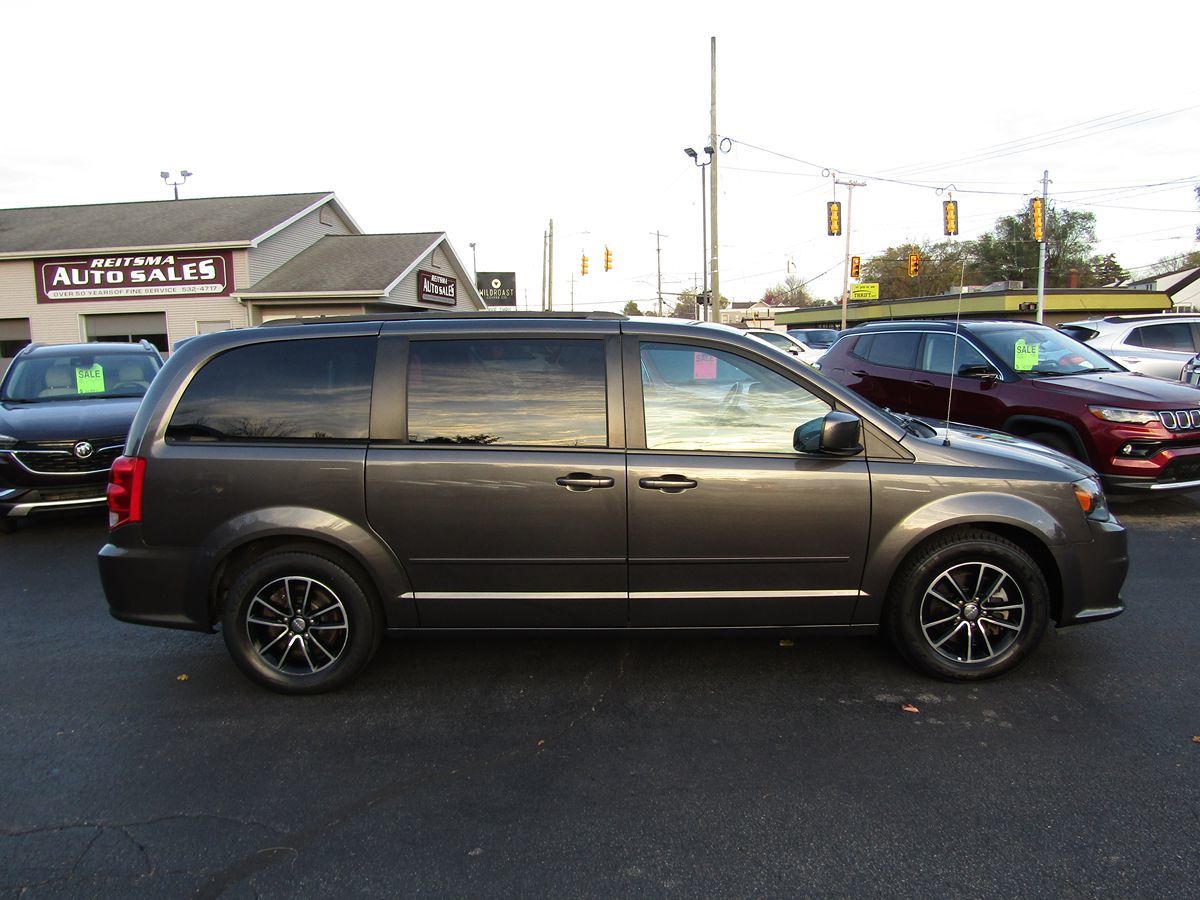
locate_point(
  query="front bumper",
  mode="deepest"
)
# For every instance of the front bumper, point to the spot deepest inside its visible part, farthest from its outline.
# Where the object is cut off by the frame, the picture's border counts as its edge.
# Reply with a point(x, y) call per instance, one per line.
point(1092, 574)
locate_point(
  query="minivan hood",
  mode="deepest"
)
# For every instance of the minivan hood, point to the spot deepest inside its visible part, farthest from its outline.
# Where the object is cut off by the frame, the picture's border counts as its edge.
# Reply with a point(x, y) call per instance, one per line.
point(1007, 447)
point(1115, 388)
point(68, 420)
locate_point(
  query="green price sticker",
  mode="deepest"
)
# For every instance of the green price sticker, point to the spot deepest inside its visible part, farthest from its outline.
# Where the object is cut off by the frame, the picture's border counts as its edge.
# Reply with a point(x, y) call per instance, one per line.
point(1025, 356)
point(90, 381)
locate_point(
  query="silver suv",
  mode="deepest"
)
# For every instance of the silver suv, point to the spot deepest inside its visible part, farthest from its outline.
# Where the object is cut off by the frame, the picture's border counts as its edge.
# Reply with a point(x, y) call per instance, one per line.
point(308, 487)
point(1158, 344)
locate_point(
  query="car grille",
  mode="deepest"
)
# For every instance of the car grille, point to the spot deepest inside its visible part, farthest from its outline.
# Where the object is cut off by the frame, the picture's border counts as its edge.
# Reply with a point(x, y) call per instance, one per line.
point(1180, 470)
point(65, 495)
point(1180, 419)
point(61, 458)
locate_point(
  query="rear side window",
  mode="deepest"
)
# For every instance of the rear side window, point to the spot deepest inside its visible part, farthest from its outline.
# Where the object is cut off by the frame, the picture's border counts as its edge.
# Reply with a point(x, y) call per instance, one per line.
point(1166, 336)
point(507, 392)
point(897, 349)
point(298, 390)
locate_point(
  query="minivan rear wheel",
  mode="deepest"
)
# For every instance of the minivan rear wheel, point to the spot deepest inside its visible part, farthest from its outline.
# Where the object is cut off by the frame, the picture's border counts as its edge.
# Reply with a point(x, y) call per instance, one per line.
point(299, 623)
point(968, 606)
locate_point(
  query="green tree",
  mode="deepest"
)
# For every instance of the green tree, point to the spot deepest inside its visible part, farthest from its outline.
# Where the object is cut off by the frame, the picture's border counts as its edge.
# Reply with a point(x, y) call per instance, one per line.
point(1009, 253)
point(1106, 270)
point(631, 309)
point(790, 292)
point(940, 271)
point(685, 305)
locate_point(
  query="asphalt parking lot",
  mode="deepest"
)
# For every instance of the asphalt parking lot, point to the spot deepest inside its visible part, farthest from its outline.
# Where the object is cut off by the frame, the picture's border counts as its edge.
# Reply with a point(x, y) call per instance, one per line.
point(139, 762)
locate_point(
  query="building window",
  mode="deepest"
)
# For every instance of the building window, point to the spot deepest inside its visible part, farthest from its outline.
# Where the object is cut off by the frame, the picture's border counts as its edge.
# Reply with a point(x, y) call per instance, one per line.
point(133, 327)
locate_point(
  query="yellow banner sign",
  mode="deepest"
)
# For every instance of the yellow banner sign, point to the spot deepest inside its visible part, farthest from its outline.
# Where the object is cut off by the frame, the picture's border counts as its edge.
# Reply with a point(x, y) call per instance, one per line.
point(867, 291)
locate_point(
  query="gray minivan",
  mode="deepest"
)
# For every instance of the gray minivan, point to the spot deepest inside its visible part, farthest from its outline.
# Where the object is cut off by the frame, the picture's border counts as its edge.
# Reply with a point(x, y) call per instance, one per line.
point(310, 486)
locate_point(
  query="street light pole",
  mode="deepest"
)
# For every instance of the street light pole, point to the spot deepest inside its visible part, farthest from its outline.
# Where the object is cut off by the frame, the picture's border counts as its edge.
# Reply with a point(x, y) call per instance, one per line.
point(703, 222)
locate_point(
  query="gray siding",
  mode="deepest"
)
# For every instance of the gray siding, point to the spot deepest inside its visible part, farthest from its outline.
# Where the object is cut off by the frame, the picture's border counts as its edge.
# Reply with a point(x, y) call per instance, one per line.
point(438, 261)
point(297, 237)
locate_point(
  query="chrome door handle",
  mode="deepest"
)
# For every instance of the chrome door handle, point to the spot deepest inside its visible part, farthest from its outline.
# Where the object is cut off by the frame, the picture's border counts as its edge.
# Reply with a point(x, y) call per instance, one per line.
point(583, 481)
point(670, 484)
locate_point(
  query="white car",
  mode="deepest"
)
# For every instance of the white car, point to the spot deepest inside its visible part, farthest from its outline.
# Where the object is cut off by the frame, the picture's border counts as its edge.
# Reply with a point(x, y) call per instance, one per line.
point(1158, 344)
point(788, 344)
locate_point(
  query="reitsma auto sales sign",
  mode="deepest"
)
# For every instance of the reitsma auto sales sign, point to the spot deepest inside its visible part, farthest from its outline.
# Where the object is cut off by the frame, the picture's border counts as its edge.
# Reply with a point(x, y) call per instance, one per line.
point(168, 274)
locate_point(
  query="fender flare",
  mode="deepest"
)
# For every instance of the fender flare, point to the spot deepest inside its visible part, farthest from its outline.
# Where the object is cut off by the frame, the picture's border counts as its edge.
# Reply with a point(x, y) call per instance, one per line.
point(282, 525)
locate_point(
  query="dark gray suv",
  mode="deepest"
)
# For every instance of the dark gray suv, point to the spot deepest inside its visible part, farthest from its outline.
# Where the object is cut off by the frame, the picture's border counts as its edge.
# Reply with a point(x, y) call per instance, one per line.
point(310, 486)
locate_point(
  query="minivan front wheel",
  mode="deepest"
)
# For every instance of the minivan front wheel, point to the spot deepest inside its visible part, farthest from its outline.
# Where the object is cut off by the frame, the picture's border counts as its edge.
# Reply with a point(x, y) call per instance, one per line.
point(299, 623)
point(968, 606)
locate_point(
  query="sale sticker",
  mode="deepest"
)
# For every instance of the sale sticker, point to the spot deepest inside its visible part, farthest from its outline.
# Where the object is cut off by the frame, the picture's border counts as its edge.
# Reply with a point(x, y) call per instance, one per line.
point(704, 367)
point(1025, 356)
point(89, 381)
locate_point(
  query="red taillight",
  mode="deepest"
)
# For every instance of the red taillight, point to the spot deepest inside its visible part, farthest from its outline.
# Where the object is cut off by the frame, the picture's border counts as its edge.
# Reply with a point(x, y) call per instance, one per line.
point(125, 490)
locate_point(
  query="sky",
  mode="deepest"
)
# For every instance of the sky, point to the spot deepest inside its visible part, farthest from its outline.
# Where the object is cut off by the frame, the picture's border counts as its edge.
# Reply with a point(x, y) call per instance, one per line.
point(487, 121)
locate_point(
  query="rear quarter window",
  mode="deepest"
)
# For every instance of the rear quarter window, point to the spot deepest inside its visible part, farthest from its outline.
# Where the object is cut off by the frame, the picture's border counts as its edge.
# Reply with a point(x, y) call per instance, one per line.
point(299, 390)
point(896, 349)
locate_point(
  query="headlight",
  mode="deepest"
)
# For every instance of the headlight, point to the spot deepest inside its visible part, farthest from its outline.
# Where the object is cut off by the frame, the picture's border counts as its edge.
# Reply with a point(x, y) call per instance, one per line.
point(1090, 497)
point(1124, 416)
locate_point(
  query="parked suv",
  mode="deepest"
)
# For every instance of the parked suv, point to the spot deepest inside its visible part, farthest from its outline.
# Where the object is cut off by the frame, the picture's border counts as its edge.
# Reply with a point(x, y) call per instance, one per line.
point(1141, 434)
point(310, 486)
point(65, 411)
point(1151, 344)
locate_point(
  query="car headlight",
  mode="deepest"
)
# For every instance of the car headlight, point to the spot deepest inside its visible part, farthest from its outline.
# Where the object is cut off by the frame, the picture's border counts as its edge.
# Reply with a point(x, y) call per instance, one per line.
point(1090, 497)
point(1124, 416)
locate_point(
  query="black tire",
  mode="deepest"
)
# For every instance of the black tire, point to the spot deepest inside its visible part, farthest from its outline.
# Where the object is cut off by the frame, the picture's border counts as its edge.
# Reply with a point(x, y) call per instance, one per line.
point(968, 605)
point(7, 525)
point(1056, 441)
point(299, 623)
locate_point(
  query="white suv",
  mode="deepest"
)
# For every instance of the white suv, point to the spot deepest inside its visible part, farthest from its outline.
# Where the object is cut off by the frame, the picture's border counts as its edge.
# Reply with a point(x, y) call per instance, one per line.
point(1158, 344)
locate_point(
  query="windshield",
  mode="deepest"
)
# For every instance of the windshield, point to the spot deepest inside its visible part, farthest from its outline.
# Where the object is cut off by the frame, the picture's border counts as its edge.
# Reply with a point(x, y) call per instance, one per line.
point(1038, 352)
point(78, 376)
point(817, 338)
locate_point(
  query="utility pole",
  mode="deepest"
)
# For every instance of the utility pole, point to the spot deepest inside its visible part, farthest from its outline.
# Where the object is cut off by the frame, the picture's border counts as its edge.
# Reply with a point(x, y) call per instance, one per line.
point(658, 248)
point(550, 270)
point(714, 304)
point(544, 237)
point(851, 185)
point(572, 290)
point(1041, 301)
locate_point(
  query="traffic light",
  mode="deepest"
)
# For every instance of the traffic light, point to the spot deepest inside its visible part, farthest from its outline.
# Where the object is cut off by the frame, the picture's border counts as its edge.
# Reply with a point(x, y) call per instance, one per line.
point(950, 216)
point(855, 266)
point(914, 265)
point(1037, 218)
point(583, 264)
point(607, 260)
point(833, 215)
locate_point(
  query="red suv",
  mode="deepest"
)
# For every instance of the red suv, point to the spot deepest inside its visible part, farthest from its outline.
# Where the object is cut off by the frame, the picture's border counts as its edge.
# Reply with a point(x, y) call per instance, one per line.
point(1140, 433)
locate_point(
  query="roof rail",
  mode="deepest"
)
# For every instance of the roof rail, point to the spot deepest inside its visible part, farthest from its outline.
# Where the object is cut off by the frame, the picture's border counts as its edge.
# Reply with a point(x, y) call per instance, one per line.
point(443, 314)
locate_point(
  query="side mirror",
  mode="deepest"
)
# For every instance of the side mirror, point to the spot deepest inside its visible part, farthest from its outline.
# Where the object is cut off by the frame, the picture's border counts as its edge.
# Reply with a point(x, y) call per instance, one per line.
point(837, 434)
point(982, 371)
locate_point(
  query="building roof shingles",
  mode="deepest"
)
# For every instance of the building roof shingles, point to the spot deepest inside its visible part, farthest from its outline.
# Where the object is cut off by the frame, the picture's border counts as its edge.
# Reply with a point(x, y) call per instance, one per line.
point(156, 224)
point(363, 263)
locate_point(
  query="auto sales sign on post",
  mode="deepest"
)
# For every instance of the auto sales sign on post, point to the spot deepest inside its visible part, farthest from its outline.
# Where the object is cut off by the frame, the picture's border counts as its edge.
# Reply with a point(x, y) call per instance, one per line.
point(181, 274)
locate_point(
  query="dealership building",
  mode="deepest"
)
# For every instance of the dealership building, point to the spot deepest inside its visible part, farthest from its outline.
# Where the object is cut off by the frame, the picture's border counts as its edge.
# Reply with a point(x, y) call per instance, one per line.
point(168, 270)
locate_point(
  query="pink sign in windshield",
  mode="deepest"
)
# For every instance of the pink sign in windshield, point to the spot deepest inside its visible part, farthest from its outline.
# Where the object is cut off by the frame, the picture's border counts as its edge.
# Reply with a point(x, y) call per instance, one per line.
point(183, 274)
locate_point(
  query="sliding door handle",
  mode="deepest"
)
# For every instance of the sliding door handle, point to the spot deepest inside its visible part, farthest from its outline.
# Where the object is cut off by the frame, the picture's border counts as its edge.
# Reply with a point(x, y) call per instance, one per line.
point(583, 481)
point(670, 484)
